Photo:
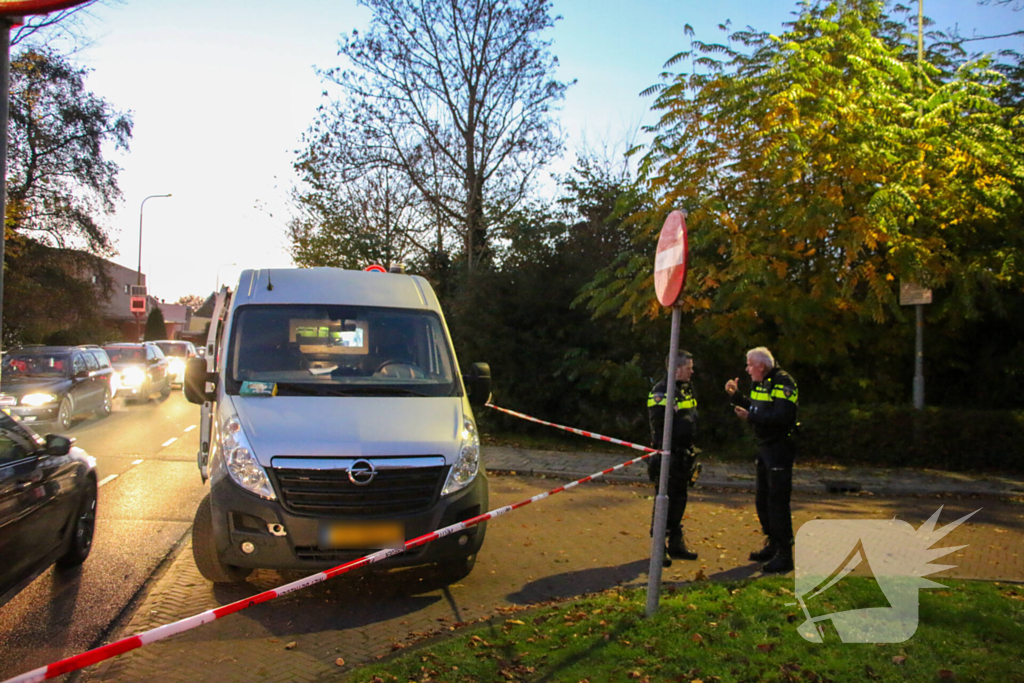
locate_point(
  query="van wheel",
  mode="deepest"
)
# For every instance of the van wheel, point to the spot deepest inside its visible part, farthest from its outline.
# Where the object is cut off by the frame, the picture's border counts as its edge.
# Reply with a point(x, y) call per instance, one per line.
point(82, 527)
point(204, 549)
point(453, 570)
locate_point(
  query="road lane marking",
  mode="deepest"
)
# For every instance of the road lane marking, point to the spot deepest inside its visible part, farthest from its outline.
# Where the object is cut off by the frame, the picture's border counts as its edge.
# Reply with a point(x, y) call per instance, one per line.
point(167, 443)
point(136, 462)
point(189, 428)
point(110, 478)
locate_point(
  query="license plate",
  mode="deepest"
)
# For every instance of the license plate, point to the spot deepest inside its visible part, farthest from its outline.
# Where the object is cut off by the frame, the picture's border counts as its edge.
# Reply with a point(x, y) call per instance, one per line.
point(362, 535)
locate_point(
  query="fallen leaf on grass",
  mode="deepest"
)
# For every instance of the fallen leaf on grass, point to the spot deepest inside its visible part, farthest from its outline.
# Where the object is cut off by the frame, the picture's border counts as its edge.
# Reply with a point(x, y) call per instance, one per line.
point(699, 575)
point(291, 646)
point(946, 675)
point(899, 659)
point(633, 674)
point(697, 638)
point(766, 647)
point(339, 661)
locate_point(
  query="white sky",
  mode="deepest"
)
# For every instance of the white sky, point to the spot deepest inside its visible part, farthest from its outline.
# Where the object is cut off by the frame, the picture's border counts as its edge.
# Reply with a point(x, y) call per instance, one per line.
point(221, 93)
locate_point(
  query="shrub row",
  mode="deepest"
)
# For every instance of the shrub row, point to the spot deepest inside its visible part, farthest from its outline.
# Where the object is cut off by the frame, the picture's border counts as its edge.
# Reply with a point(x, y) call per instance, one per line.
point(899, 436)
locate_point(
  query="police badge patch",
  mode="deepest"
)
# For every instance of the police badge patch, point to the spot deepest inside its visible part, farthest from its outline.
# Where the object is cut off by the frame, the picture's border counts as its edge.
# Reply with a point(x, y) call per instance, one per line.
point(788, 391)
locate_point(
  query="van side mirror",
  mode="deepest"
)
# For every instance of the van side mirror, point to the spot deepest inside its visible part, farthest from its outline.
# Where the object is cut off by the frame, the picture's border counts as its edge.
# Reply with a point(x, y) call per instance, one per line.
point(196, 378)
point(478, 383)
point(57, 444)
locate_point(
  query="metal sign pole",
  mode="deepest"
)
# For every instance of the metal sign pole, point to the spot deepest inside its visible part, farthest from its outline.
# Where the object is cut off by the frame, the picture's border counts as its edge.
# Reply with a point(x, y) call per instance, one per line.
point(661, 501)
point(919, 358)
point(5, 87)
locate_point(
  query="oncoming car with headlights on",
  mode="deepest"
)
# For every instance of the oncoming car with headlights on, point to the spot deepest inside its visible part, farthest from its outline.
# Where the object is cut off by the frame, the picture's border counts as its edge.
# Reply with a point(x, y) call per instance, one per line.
point(141, 369)
point(335, 422)
point(58, 383)
point(178, 354)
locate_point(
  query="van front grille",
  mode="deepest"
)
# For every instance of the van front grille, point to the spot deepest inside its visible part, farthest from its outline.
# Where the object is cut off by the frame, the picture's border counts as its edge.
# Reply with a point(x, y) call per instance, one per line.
point(329, 492)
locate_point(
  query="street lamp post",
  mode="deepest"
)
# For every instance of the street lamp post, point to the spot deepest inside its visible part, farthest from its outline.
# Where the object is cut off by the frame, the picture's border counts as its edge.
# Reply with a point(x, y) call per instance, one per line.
point(138, 278)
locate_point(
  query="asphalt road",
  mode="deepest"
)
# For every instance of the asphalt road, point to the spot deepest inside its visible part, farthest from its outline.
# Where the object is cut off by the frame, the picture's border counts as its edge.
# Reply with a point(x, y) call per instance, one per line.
point(149, 490)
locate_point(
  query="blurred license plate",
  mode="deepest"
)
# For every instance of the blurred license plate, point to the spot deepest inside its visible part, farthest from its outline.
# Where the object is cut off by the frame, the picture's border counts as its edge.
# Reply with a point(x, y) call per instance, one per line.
point(363, 535)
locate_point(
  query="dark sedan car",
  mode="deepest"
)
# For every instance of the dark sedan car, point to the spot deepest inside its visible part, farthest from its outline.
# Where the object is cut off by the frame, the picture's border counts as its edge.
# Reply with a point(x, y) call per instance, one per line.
point(142, 368)
point(57, 383)
point(47, 504)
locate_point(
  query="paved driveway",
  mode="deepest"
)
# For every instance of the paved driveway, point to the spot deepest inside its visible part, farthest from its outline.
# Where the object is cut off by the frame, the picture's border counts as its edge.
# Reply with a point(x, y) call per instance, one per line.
point(588, 539)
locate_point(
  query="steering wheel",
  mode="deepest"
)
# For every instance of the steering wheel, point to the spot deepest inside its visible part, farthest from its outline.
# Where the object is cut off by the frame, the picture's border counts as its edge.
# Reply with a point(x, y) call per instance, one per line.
point(399, 370)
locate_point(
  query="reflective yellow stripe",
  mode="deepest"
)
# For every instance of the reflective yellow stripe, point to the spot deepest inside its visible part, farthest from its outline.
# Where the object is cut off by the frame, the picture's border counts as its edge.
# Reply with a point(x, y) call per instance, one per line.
point(688, 403)
point(756, 395)
point(780, 392)
point(651, 401)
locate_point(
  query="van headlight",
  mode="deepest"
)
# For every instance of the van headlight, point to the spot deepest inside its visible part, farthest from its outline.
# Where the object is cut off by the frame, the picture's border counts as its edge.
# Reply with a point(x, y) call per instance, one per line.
point(466, 466)
point(240, 461)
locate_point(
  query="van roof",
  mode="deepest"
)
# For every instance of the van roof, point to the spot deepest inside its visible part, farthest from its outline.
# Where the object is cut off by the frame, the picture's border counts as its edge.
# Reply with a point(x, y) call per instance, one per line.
point(333, 286)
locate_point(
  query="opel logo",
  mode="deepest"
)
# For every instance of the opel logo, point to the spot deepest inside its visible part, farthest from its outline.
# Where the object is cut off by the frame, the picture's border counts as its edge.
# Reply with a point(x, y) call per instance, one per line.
point(361, 473)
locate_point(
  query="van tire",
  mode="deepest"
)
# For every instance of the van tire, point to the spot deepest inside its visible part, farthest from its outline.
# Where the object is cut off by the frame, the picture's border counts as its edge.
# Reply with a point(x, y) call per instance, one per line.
point(204, 549)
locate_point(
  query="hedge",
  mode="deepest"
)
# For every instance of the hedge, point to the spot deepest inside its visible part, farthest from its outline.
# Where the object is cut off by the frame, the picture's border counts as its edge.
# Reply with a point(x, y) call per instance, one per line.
point(899, 436)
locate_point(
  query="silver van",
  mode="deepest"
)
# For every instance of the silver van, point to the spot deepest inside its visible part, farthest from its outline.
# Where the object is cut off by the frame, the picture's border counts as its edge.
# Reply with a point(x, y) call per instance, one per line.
point(335, 422)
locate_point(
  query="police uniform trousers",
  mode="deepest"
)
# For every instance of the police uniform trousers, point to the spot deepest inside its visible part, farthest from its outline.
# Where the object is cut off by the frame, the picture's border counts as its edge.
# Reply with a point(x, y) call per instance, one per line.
point(678, 484)
point(774, 487)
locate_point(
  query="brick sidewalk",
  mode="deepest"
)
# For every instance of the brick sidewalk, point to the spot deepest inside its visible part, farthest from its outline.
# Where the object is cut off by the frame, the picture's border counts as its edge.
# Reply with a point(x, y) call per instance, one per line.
point(585, 540)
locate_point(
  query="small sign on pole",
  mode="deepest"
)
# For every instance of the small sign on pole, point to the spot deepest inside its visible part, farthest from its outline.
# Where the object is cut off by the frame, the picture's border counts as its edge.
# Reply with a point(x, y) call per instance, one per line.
point(912, 294)
point(137, 304)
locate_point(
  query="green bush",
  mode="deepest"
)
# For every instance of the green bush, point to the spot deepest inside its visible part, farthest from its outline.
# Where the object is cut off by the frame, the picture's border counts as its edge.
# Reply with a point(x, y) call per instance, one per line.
point(899, 436)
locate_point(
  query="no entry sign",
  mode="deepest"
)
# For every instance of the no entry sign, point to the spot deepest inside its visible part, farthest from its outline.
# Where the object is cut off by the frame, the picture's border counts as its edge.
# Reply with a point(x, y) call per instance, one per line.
point(670, 261)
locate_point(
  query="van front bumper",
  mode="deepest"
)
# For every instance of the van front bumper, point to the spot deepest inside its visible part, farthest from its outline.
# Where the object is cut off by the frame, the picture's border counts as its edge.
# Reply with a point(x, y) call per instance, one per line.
point(240, 517)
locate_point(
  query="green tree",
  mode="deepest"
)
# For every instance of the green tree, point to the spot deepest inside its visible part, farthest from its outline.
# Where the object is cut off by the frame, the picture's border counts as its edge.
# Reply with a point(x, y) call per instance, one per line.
point(59, 182)
point(156, 328)
point(454, 96)
point(820, 168)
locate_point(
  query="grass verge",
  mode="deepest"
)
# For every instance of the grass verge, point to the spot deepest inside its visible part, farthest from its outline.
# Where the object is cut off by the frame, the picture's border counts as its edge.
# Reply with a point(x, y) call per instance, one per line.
point(720, 632)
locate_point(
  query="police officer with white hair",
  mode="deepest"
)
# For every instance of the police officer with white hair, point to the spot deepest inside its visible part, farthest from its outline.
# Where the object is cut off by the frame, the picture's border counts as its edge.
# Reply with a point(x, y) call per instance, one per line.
point(771, 410)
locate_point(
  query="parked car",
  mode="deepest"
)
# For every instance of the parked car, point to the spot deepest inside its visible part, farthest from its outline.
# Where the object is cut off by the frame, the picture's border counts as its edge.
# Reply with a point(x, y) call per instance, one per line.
point(58, 383)
point(142, 369)
point(47, 503)
point(178, 354)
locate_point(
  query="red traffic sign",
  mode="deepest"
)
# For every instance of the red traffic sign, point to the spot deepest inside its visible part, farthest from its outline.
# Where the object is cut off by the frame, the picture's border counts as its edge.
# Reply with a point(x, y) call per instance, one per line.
point(137, 304)
point(670, 261)
point(17, 8)
point(375, 269)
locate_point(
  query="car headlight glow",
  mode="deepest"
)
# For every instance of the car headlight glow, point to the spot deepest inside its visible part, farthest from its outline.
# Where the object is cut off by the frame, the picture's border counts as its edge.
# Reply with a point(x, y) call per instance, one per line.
point(464, 470)
point(240, 461)
point(38, 399)
point(176, 367)
point(132, 377)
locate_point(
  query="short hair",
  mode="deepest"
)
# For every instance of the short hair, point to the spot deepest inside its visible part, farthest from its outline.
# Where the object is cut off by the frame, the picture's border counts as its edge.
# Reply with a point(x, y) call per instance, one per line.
point(681, 357)
point(762, 355)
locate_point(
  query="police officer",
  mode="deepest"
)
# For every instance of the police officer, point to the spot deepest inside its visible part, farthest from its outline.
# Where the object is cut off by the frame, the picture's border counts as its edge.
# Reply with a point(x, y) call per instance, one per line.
point(771, 410)
point(684, 429)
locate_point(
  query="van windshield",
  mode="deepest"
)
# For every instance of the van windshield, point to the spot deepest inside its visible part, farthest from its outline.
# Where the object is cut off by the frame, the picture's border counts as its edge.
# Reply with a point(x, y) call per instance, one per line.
point(339, 351)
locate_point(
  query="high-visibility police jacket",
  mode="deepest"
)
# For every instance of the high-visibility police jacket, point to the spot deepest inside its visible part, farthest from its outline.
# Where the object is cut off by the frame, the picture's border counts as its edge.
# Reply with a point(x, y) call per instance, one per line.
point(772, 405)
point(684, 423)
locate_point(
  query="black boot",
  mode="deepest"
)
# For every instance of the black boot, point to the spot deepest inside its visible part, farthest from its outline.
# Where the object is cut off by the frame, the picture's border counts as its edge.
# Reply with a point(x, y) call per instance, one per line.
point(677, 548)
point(781, 563)
point(666, 561)
point(766, 553)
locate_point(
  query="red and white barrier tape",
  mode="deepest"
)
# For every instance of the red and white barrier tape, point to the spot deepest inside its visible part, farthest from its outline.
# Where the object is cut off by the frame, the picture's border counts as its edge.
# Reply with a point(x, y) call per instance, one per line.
point(110, 650)
point(589, 435)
